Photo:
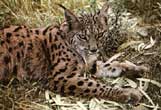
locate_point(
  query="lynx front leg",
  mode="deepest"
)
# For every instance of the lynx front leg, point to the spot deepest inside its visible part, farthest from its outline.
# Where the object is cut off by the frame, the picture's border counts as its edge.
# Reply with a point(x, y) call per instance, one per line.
point(76, 85)
point(115, 69)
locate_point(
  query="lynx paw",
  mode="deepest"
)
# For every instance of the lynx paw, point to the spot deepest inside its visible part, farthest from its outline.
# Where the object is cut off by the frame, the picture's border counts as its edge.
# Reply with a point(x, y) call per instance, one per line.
point(130, 96)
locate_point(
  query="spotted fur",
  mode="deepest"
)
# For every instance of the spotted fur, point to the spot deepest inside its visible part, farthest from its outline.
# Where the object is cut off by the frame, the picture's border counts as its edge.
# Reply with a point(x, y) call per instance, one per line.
point(48, 55)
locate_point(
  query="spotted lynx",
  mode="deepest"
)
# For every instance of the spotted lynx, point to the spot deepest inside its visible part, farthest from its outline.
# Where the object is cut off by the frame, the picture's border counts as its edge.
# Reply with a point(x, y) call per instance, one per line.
point(56, 56)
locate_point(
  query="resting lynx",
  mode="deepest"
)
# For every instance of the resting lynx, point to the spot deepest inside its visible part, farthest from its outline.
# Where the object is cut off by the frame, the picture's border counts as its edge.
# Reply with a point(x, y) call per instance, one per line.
point(55, 56)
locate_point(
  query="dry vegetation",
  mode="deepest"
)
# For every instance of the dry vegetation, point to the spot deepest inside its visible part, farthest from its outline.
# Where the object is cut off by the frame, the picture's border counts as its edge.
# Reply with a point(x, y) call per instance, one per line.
point(135, 30)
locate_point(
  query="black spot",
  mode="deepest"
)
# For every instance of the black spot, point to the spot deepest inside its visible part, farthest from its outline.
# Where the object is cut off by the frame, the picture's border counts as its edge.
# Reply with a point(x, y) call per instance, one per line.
point(63, 47)
point(64, 80)
point(64, 53)
point(37, 32)
point(75, 68)
point(81, 75)
point(63, 59)
point(62, 89)
point(50, 37)
point(21, 44)
point(80, 83)
point(23, 36)
point(62, 36)
point(94, 69)
point(87, 91)
point(8, 35)
point(90, 83)
point(68, 59)
point(17, 35)
point(18, 28)
point(81, 94)
point(66, 56)
point(56, 73)
point(24, 26)
point(105, 19)
point(56, 82)
point(101, 89)
point(7, 40)
point(28, 35)
point(45, 30)
point(71, 75)
point(56, 26)
point(106, 65)
point(30, 44)
point(22, 53)
point(15, 70)
point(94, 91)
point(54, 65)
point(113, 70)
point(59, 53)
point(60, 78)
point(97, 84)
point(29, 48)
point(18, 56)
point(55, 88)
point(10, 49)
point(63, 70)
point(109, 90)
point(66, 44)
point(56, 39)
point(58, 61)
point(54, 46)
point(76, 62)
point(2, 42)
point(72, 87)
point(53, 57)
point(74, 54)
point(58, 32)
point(69, 50)
point(59, 46)
point(6, 59)
point(86, 79)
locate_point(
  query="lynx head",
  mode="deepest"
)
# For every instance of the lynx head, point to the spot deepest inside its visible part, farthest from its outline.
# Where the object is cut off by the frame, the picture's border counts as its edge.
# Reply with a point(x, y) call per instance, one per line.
point(86, 33)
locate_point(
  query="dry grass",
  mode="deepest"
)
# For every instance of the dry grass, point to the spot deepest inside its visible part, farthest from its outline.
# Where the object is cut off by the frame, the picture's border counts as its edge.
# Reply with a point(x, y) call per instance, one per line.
point(37, 13)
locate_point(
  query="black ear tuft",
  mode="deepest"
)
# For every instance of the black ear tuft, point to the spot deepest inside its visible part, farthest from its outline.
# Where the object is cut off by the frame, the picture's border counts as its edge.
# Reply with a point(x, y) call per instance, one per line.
point(71, 20)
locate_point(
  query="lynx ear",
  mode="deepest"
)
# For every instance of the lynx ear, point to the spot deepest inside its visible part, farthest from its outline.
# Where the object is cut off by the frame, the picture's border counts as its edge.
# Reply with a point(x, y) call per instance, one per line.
point(103, 16)
point(71, 21)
